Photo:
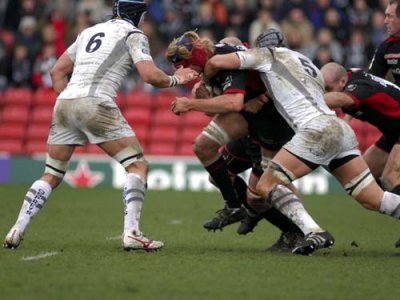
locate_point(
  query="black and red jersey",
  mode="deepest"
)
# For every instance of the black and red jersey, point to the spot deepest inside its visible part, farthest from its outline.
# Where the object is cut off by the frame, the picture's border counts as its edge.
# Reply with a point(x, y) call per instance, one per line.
point(248, 83)
point(376, 101)
point(387, 58)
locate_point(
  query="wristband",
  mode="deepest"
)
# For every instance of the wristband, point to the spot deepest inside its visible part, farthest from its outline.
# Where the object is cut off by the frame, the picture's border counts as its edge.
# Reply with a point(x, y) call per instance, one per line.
point(173, 81)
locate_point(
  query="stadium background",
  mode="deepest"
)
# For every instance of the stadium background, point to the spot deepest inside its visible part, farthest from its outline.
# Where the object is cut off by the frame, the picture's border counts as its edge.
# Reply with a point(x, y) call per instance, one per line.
point(35, 32)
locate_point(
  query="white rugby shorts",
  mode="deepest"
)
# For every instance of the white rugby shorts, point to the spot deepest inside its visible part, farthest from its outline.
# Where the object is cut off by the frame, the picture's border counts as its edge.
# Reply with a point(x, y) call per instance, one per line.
point(76, 121)
point(323, 139)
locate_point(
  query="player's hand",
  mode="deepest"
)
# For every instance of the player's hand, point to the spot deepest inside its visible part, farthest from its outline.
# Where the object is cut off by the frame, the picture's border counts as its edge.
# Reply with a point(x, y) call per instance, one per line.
point(185, 75)
point(180, 105)
point(254, 105)
point(200, 91)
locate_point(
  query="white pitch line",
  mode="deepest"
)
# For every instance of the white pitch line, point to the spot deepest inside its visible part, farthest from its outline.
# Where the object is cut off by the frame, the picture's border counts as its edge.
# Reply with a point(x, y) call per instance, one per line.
point(39, 256)
point(176, 222)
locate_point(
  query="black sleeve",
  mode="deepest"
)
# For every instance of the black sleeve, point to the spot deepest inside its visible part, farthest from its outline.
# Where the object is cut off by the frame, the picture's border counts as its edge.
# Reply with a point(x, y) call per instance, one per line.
point(378, 66)
point(360, 90)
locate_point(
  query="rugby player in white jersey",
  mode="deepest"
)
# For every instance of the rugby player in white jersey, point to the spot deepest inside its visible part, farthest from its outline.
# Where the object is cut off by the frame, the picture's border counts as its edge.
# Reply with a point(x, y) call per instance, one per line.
point(321, 139)
point(85, 111)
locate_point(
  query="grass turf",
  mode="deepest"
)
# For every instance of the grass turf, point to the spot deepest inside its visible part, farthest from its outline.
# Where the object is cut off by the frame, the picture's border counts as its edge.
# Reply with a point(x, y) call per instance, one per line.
point(79, 230)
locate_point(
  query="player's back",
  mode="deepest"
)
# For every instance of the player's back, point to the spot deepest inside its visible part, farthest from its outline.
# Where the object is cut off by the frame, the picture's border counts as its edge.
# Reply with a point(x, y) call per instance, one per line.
point(101, 60)
point(297, 85)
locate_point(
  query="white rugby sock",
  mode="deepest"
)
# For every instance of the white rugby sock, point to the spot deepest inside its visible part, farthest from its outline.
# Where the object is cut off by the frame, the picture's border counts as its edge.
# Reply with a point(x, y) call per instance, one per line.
point(284, 200)
point(34, 200)
point(390, 205)
point(133, 197)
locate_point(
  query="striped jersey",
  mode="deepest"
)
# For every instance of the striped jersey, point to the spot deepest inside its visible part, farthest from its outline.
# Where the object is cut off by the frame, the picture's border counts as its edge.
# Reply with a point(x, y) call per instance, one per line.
point(293, 81)
point(102, 55)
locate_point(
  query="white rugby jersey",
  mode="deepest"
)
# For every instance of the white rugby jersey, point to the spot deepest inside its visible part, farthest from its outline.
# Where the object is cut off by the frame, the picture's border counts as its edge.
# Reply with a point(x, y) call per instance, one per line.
point(102, 55)
point(294, 82)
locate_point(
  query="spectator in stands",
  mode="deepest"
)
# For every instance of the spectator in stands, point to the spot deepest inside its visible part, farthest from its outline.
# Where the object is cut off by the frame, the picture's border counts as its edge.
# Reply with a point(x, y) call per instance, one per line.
point(28, 35)
point(42, 67)
point(83, 21)
point(97, 8)
point(297, 29)
point(323, 55)
point(239, 18)
point(21, 67)
point(220, 12)
point(378, 30)
point(359, 14)
point(171, 25)
point(285, 8)
point(318, 10)
point(355, 50)
point(263, 22)
point(326, 39)
point(337, 24)
point(4, 65)
point(386, 58)
point(205, 18)
point(85, 111)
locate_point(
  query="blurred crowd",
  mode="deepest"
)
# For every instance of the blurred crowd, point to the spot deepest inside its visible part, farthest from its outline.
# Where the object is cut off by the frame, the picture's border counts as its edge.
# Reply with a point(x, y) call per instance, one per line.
point(33, 33)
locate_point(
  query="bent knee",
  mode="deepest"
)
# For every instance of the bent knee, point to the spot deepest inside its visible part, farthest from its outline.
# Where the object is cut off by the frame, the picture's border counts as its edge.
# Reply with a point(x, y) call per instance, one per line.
point(204, 147)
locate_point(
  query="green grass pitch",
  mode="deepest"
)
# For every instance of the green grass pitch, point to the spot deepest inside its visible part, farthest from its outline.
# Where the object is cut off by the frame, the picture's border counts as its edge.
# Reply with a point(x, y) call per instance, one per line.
point(79, 228)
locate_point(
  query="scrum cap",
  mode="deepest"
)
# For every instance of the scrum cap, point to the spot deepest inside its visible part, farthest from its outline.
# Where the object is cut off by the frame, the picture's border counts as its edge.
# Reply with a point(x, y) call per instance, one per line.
point(270, 38)
point(130, 10)
point(188, 52)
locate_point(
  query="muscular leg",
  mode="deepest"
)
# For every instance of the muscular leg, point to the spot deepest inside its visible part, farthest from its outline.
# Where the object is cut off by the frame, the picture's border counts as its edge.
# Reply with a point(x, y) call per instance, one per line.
point(56, 165)
point(129, 154)
point(391, 173)
point(272, 188)
point(354, 177)
point(135, 184)
point(224, 127)
point(376, 159)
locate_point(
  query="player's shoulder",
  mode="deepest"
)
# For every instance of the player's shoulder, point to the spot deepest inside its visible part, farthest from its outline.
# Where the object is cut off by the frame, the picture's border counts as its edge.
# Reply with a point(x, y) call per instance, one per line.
point(223, 48)
point(389, 42)
point(118, 27)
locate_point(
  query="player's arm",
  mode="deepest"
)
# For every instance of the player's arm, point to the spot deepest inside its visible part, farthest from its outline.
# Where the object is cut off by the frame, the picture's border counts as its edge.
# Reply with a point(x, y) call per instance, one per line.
point(139, 50)
point(151, 74)
point(338, 100)
point(220, 62)
point(220, 104)
point(60, 71)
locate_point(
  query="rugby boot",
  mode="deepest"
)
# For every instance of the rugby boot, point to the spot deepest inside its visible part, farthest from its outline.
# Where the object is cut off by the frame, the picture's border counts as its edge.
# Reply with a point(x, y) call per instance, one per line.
point(248, 223)
point(13, 238)
point(286, 242)
point(138, 241)
point(314, 241)
point(225, 217)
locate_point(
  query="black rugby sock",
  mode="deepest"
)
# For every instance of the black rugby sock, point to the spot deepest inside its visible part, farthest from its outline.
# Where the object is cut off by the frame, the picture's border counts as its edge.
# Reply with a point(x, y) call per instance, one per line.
point(241, 189)
point(276, 218)
point(218, 170)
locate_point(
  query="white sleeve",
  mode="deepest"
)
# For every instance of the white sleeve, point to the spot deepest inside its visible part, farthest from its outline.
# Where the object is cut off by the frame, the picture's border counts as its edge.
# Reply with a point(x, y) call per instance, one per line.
point(255, 59)
point(138, 46)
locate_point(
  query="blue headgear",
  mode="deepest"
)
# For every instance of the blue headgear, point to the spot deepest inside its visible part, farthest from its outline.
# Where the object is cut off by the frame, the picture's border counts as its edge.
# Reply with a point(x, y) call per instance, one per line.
point(130, 10)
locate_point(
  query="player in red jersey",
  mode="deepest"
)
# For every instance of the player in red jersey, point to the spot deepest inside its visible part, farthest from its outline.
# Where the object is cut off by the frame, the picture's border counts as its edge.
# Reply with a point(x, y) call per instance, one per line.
point(387, 55)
